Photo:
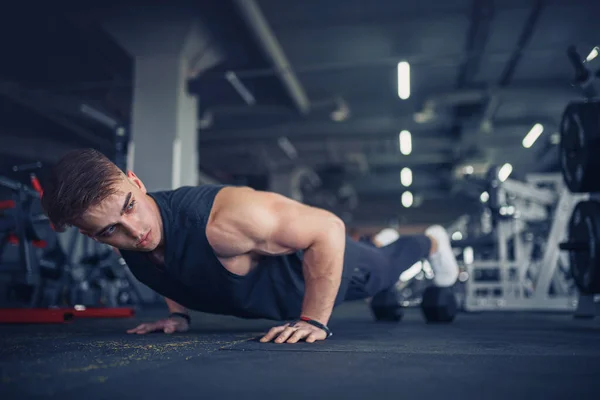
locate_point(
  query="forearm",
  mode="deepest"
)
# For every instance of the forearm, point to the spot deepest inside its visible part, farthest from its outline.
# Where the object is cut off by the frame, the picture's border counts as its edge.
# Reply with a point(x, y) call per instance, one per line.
point(322, 269)
point(175, 307)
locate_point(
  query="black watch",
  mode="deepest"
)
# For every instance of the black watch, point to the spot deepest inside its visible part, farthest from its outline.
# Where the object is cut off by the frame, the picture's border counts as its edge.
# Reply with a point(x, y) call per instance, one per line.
point(182, 315)
point(314, 323)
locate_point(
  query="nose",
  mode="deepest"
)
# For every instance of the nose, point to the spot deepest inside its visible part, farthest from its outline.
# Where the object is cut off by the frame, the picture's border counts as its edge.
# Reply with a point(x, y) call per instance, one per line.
point(134, 230)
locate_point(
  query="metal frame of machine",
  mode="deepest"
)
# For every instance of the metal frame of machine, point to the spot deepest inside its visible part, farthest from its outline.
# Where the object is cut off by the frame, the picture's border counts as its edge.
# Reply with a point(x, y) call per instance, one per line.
point(523, 284)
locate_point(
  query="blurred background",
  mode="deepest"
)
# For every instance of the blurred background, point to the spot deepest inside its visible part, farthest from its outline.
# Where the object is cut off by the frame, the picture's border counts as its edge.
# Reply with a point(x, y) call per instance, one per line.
point(316, 90)
point(391, 114)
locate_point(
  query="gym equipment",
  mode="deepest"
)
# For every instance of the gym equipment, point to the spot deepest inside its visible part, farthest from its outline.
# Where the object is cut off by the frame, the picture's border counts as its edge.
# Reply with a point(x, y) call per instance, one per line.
point(584, 246)
point(580, 146)
point(38, 315)
point(24, 224)
point(98, 276)
point(116, 312)
point(59, 315)
point(584, 77)
point(38, 275)
point(386, 306)
point(521, 266)
point(439, 304)
point(580, 143)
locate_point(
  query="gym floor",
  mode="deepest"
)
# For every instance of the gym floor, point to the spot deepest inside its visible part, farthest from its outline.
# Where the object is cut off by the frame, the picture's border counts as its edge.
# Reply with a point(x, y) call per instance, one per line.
point(479, 356)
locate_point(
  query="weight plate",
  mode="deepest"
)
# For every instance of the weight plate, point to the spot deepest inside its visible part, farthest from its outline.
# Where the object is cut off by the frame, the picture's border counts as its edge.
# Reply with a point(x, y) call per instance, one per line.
point(580, 146)
point(584, 228)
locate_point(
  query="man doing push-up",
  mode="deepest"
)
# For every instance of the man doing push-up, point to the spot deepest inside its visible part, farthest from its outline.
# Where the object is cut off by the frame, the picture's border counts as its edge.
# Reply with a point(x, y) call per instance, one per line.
point(233, 250)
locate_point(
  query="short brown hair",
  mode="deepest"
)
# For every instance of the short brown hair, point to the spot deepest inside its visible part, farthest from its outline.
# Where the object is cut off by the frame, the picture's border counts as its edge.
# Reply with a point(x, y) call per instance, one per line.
point(81, 179)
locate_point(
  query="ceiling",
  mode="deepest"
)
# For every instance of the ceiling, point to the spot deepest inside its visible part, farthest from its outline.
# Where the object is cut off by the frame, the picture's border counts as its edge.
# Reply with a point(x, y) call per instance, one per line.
point(483, 73)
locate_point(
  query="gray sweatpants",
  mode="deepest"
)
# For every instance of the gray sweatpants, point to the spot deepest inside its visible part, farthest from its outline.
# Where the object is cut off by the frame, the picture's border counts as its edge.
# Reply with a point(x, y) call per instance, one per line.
point(377, 269)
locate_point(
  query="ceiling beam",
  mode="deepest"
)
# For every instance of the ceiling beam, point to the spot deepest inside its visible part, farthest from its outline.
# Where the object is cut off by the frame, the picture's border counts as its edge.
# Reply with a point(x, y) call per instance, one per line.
point(53, 108)
point(256, 165)
point(267, 40)
point(448, 60)
point(510, 68)
point(424, 144)
point(527, 31)
point(381, 127)
point(34, 149)
point(482, 13)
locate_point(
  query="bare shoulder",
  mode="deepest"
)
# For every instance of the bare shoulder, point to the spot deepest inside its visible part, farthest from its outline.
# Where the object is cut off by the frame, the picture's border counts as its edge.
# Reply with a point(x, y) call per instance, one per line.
point(238, 216)
point(245, 220)
point(231, 201)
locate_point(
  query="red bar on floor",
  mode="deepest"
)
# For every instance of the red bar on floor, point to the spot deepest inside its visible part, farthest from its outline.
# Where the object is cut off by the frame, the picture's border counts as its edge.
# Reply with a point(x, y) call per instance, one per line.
point(34, 316)
point(6, 204)
point(116, 312)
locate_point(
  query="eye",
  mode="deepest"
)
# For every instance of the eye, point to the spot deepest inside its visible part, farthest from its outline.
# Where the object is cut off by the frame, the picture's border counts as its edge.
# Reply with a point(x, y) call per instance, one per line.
point(131, 205)
point(109, 231)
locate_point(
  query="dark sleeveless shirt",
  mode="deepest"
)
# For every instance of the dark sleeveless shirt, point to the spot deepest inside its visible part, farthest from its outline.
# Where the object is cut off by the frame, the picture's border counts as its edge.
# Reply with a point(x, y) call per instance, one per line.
point(194, 277)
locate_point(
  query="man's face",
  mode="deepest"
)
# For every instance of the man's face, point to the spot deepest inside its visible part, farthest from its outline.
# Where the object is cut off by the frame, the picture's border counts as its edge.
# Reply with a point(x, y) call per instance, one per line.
point(128, 220)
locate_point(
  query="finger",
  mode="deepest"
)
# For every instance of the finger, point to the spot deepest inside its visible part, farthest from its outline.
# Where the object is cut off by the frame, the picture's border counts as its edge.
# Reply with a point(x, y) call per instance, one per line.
point(169, 329)
point(298, 335)
point(312, 338)
point(143, 330)
point(283, 336)
point(137, 328)
point(147, 328)
point(272, 333)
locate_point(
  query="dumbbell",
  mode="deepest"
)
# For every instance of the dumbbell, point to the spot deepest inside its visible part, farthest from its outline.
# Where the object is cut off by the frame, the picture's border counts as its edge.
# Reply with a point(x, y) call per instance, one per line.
point(439, 304)
point(386, 306)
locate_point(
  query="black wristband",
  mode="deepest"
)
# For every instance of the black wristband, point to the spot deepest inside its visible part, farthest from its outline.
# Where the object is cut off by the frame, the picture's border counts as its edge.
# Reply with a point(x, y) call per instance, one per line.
point(317, 324)
point(182, 315)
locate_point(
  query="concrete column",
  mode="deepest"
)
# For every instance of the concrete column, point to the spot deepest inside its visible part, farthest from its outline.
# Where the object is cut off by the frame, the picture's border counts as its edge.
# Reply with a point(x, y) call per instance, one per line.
point(169, 47)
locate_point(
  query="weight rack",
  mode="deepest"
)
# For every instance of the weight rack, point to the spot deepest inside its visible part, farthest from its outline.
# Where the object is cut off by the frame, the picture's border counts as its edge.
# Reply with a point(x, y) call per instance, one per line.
point(518, 283)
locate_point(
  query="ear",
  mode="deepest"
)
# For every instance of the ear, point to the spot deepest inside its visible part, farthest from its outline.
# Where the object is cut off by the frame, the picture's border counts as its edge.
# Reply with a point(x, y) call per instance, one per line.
point(136, 181)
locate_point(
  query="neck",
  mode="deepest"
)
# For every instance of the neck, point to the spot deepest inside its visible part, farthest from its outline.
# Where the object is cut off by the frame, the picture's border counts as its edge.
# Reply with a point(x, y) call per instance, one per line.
point(156, 211)
point(158, 255)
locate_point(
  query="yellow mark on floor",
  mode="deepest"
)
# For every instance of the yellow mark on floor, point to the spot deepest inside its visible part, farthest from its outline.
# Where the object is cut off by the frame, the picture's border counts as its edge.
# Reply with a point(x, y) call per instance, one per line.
point(84, 369)
point(229, 344)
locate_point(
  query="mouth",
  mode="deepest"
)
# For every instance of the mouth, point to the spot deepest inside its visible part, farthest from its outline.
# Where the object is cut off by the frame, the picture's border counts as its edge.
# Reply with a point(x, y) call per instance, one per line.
point(144, 240)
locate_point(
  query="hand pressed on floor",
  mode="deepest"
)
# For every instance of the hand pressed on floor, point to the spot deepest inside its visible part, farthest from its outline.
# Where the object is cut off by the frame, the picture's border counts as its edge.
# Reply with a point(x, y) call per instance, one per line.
point(169, 325)
point(292, 334)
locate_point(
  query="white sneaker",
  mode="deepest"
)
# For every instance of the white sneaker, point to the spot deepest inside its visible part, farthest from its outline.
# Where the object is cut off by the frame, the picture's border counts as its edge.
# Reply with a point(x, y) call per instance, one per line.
point(443, 262)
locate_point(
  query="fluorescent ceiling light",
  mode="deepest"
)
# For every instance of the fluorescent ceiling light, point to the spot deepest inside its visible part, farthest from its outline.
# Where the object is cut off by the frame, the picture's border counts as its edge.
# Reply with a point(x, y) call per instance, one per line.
point(468, 255)
point(504, 172)
point(407, 199)
point(533, 135)
point(593, 54)
point(485, 196)
point(406, 177)
point(403, 80)
point(240, 88)
point(287, 147)
point(405, 141)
